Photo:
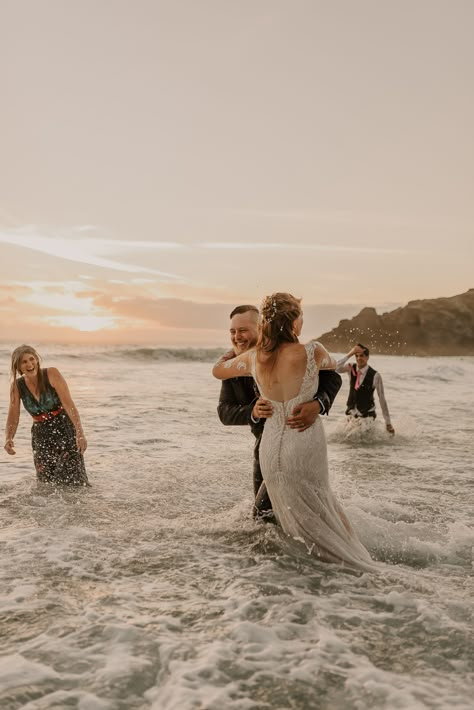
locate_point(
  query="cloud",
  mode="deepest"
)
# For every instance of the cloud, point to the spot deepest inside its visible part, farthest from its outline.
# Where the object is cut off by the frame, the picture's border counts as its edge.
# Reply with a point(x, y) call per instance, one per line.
point(48, 300)
point(114, 245)
point(275, 246)
point(347, 217)
point(86, 250)
point(328, 216)
point(167, 312)
point(190, 315)
point(43, 310)
point(9, 288)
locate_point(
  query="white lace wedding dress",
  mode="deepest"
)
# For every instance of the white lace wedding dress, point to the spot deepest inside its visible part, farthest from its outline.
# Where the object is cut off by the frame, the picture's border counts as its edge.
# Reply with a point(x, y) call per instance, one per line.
point(295, 470)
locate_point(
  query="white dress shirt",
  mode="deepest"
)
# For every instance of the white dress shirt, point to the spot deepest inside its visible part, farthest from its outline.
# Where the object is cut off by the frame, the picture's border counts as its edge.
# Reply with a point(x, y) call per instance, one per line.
point(344, 366)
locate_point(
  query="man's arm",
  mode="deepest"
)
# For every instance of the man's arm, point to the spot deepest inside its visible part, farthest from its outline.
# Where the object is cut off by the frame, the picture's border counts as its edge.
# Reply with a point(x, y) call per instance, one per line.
point(378, 384)
point(233, 410)
point(329, 385)
point(230, 410)
point(342, 365)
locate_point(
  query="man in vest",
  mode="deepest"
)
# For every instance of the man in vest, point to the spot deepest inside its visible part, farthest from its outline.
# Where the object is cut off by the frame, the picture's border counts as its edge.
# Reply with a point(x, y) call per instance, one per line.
point(363, 381)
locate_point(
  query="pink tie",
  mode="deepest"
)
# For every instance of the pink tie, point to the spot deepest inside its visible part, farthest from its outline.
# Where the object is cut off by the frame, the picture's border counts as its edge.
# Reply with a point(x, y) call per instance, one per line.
point(357, 382)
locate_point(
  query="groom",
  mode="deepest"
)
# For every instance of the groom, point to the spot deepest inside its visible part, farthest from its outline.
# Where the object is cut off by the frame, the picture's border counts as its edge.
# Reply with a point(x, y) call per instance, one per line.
point(240, 402)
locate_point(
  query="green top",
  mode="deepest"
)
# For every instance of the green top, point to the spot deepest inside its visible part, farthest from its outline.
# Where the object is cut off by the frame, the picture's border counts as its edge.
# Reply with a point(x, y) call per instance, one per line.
point(49, 399)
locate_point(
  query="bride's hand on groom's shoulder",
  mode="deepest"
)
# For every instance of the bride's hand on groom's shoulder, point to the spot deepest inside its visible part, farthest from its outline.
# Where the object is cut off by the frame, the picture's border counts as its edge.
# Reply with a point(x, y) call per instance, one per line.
point(229, 355)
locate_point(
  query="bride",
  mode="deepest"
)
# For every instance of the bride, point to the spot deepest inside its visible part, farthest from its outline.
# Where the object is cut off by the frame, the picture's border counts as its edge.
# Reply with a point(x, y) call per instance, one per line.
point(294, 464)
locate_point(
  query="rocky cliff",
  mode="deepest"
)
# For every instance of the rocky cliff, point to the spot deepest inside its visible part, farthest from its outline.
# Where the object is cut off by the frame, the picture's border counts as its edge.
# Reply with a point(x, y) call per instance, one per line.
point(439, 326)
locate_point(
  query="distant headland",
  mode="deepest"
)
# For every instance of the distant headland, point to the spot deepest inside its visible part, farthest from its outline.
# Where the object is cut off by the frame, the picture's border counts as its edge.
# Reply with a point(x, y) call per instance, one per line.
point(438, 326)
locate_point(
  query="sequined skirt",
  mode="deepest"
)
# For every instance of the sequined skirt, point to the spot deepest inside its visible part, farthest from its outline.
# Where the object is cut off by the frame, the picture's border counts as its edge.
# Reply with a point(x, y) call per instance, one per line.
point(55, 453)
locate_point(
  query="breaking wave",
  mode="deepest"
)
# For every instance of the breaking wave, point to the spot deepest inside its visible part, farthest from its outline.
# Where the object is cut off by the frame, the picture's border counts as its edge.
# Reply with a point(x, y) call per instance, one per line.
point(186, 354)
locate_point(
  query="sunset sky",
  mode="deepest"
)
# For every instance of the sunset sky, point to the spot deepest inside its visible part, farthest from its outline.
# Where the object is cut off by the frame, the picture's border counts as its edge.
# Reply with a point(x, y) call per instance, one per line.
point(163, 161)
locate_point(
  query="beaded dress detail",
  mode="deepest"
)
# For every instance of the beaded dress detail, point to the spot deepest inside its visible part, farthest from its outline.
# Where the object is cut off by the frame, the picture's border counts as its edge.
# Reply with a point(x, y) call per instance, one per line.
point(53, 437)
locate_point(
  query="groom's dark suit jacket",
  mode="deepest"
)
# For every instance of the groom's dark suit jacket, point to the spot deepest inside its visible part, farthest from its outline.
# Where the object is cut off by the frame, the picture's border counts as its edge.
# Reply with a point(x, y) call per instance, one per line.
point(236, 401)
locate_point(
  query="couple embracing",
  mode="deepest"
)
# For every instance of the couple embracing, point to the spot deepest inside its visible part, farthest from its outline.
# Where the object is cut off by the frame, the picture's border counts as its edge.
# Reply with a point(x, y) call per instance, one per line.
point(294, 383)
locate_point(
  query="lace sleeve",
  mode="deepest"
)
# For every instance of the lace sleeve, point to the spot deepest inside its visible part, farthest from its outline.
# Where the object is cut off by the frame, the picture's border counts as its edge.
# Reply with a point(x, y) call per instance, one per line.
point(225, 367)
point(323, 359)
point(252, 363)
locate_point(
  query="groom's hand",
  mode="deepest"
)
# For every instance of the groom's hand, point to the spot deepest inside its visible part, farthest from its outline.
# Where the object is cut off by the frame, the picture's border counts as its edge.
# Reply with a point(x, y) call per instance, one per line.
point(304, 415)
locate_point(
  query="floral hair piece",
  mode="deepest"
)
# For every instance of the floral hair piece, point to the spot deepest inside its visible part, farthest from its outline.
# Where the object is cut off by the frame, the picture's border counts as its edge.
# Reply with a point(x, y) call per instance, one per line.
point(269, 309)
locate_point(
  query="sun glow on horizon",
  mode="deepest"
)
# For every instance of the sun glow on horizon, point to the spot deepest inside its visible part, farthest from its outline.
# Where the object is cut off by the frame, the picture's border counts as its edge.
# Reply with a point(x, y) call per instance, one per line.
point(71, 306)
point(89, 323)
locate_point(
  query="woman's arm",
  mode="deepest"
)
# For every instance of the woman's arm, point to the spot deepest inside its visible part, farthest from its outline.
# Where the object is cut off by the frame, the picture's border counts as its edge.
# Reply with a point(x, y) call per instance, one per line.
point(323, 359)
point(60, 385)
point(239, 366)
point(12, 419)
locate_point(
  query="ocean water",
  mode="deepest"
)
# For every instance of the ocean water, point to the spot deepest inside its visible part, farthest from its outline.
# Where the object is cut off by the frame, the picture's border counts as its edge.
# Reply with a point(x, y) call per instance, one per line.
point(154, 589)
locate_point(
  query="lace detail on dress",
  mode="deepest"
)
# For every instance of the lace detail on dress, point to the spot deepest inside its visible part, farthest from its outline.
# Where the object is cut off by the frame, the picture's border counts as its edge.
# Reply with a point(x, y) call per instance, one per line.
point(253, 368)
point(309, 385)
point(311, 369)
point(327, 359)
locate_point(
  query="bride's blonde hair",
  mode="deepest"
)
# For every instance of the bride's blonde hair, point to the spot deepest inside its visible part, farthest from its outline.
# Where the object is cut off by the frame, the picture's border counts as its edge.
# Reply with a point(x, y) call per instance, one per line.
point(17, 354)
point(278, 313)
point(277, 316)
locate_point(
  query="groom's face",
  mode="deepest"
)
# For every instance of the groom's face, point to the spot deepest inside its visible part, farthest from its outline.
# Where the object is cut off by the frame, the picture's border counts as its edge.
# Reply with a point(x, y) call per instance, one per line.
point(361, 358)
point(243, 331)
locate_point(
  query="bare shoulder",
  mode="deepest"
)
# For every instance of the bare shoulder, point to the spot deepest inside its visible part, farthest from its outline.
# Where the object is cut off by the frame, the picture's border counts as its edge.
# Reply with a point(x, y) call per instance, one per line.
point(54, 375)
point(293, 347)
point(293, 351)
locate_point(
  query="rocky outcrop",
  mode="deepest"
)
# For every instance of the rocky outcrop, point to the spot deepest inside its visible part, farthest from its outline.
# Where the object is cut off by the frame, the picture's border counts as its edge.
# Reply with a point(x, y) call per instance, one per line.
point(439, 326)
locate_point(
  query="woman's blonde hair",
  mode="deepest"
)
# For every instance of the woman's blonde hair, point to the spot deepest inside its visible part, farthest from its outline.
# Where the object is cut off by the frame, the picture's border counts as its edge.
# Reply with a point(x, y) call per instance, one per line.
point(277, 316)
point(17, 354)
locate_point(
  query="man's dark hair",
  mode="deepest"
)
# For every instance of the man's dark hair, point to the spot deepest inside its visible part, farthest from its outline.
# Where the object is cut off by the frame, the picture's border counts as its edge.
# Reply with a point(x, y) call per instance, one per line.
point(243, 309)
point(364, 349)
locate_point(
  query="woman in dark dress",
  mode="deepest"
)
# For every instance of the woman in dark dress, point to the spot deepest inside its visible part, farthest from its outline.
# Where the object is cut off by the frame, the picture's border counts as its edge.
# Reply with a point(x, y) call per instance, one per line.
point(57, 437)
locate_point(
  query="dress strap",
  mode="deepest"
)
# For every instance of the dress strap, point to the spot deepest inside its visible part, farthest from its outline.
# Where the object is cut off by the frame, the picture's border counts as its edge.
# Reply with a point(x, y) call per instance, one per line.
point(47, 383)
point(21, 386)
point(311, 369)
